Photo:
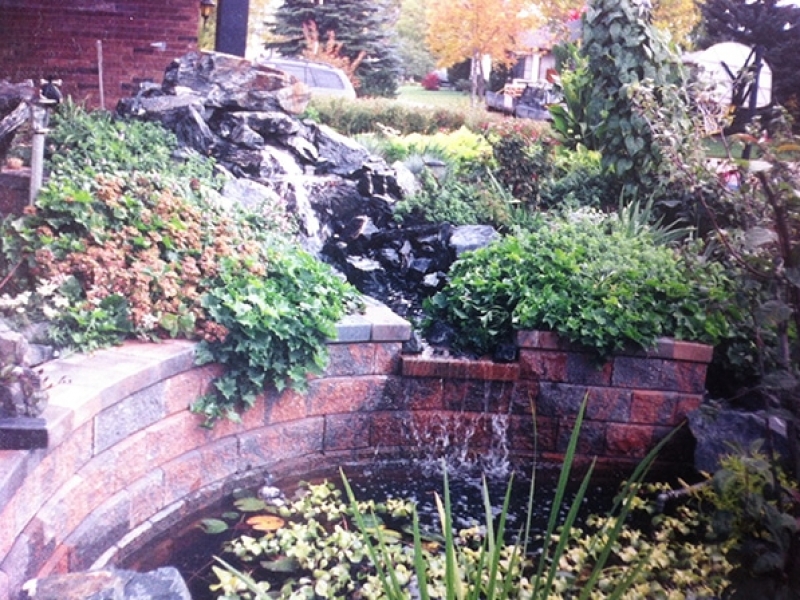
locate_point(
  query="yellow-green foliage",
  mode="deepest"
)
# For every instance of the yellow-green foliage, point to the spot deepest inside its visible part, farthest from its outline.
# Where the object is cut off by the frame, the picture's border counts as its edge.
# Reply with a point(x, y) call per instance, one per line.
point(462, 146)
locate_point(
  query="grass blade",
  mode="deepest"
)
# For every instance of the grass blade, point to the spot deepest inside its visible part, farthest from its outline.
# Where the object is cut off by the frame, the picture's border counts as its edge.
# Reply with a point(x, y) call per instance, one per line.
point(561, 488)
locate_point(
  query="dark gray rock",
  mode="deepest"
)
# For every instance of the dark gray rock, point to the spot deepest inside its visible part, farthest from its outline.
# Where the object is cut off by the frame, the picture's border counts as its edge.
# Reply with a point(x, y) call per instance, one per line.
point(720, 432)
point(247, 193)
point(227, 81)
point(343, 155)
point(272, 123)
point(406, 180)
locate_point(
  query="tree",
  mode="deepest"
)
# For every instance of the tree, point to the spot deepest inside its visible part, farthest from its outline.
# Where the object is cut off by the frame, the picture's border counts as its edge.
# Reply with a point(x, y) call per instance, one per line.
point(471, 29)
point(769, 24)
point(678, 17)
point(360, 26)
point(416, 59)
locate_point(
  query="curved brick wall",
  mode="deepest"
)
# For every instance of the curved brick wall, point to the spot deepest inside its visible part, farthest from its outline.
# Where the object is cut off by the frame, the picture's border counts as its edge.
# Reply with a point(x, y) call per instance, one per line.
point(126, 459)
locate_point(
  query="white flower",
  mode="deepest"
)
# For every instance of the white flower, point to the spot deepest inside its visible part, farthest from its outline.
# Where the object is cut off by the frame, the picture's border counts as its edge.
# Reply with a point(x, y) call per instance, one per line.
point(61, 302)
point(49, 312)
point(47, 288)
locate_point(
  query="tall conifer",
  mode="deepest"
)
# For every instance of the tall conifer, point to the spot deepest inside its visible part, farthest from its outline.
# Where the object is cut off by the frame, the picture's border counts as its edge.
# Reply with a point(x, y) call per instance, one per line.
point(361, 25)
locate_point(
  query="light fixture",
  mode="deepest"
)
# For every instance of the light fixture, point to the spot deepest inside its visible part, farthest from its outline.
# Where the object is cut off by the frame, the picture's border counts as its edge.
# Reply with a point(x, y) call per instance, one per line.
point(206, 8)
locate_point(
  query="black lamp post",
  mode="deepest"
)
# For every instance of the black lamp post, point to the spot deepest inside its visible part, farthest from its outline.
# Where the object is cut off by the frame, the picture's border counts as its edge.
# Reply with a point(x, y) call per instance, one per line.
point(206, 8)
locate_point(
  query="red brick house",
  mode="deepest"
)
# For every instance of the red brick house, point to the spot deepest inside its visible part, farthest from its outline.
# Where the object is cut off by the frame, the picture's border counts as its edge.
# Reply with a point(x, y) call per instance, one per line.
point(59, 38)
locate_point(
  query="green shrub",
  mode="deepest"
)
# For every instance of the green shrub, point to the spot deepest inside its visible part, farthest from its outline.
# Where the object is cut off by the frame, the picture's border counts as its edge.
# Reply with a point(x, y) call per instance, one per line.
point(351, 117)
point(593, 283)
point(278, 308)
point(452, 200)
point(577, 180)
point(522, 166)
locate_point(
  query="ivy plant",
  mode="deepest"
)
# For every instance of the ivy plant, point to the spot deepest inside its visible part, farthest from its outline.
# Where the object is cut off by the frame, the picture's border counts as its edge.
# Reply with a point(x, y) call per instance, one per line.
point(277, 314)
point(591, 280)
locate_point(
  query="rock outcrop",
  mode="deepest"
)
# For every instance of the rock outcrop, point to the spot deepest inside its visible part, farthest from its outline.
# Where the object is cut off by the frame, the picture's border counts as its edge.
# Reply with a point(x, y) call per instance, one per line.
point(245, 117)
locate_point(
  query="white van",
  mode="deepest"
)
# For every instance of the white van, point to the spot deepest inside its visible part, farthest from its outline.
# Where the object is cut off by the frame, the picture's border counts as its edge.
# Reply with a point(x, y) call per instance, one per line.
point(321, 79)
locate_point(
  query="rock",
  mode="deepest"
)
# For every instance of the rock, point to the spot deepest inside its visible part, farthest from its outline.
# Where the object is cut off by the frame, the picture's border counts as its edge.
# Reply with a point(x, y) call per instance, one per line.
point(441, 334)
point(14, 111)
point(414, 344)
point(472, 237)
point(248, 193)
point(407, 182)
point(342, 155)
point(505, 353)
point(720, 431)
point(234, 128)
point(21, 393)
point(231, 82)
point(433, 282)
point(165, 583)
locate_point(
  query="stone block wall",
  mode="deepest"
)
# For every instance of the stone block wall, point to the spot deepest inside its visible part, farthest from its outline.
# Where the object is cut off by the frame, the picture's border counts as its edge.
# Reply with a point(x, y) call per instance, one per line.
point(633, 399)
point(41, 38)
point(126, 459)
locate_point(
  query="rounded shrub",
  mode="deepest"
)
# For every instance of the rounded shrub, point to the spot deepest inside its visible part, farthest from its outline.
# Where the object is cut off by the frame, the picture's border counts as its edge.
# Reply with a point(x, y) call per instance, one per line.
point(593, 283)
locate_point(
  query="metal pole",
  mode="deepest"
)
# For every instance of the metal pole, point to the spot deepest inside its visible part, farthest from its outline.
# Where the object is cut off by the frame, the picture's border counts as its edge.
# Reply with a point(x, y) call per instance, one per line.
point(39, 126)
point(100, 73)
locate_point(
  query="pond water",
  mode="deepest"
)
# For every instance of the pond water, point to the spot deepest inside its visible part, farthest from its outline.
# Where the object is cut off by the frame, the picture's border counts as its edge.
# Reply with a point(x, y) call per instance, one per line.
point(189, 548)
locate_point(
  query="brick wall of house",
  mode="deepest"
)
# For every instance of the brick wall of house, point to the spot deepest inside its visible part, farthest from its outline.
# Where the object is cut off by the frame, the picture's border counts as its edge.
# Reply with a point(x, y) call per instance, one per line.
point(40, 38)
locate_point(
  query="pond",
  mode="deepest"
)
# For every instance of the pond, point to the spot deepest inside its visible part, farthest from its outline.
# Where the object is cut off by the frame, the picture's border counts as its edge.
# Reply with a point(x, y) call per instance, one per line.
point(191, 548)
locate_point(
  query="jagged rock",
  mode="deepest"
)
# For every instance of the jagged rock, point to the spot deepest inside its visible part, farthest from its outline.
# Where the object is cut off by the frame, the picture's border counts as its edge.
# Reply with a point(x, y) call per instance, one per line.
point(505, 353)
point(233, 83)
point(21, 393)
point(719, 431)
point(433, 282)
point(277, 163)
point(234, 128)
point(273, 123)
point(161, 107)
point(14, 111)
point(406, 180)
point(165, 583)
point(342, 155)
point(303, 149)
point(192, 131)
point(414, 344)
point(441, 334)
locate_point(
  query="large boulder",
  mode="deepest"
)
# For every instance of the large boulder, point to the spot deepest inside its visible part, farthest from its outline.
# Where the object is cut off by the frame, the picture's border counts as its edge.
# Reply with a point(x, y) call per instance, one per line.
point(234, 83)
point(722, 431)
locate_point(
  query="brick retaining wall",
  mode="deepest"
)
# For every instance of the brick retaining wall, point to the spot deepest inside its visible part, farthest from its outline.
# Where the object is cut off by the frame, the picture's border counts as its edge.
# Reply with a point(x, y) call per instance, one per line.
point(126, 459)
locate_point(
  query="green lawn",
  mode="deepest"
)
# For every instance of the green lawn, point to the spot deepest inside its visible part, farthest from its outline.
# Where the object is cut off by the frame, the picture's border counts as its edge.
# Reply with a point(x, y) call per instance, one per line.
point(416, 94)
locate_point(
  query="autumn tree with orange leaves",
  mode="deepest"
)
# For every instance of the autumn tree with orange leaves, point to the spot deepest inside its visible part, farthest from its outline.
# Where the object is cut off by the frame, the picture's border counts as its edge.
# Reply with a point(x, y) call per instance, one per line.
point(471, 29)
point(678, 17)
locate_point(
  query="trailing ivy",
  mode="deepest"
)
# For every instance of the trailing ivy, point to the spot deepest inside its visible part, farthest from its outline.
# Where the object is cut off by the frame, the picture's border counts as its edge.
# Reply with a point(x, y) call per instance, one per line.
point(278, 314)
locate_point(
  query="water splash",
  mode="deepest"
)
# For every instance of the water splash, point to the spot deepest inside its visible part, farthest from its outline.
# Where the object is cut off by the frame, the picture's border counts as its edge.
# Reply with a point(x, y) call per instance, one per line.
point(458, 443)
